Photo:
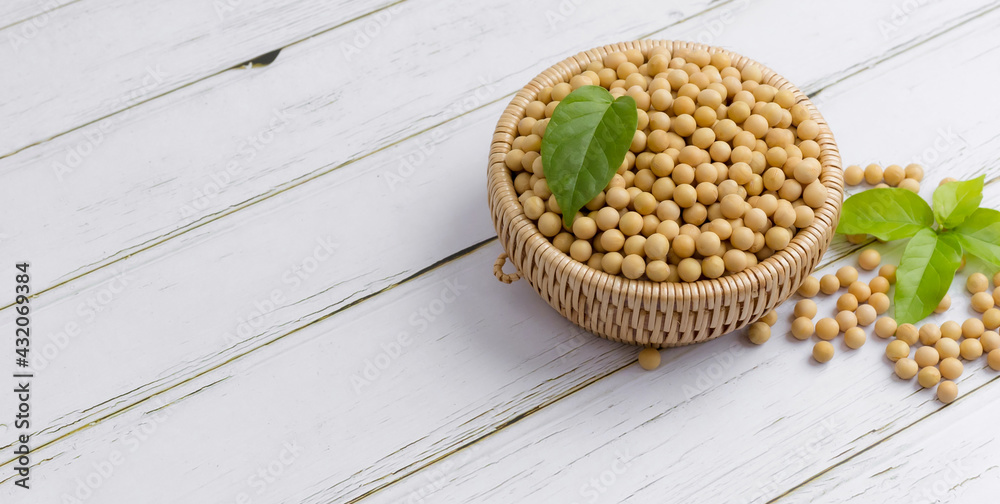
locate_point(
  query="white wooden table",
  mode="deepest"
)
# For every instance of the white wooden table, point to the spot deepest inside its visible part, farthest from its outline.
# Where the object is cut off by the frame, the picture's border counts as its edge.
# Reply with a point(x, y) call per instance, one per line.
point(272, 283)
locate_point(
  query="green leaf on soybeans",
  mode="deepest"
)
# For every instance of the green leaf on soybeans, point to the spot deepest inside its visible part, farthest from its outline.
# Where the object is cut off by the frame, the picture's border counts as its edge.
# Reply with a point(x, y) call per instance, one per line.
point(585, 142)
point(887, 213)
point(955, 201)
point(925, 272)
point(980, 234)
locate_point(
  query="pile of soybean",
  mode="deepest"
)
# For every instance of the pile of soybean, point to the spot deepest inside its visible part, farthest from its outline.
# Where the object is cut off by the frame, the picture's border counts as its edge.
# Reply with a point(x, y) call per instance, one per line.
point(931, 353)
point(723, 169)
point(928, 352)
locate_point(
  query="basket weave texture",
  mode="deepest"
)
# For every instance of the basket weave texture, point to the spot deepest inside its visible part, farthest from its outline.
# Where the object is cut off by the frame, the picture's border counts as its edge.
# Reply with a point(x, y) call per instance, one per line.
point(641, 312)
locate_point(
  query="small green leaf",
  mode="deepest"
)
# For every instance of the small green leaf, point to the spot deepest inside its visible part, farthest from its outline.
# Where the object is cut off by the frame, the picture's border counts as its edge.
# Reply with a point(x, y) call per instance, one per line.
point(980, 234)
point(925, 272)
point(954, 201)
point(888, 213)
point(584, 144)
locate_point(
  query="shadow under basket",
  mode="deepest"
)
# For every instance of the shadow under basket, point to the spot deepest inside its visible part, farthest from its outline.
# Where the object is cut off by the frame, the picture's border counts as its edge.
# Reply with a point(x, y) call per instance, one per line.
point(642, 312)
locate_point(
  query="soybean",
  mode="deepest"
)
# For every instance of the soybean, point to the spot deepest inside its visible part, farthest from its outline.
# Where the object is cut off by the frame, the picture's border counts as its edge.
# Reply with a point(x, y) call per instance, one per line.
point(805, 308)
point(907, 333)
point(971, 349)
point(649, 358)
point(869, 259)
point(847, 275)
point(947, 348)
point(928, 377)
point(759, 333)
point(865, 314)
point(973, 328)
point(885, 327)
point(897, 349)
point(947, 392)
point(827, 328)
point(976, 283)
point(906, 368)
point(829, 284)
point(855, 337)
point(990, 341)
point(951, 368)
point(982, 301)
point(951, 330)
point(926, 356)
point(993, 359)
point(802, 328)
point(823, 352)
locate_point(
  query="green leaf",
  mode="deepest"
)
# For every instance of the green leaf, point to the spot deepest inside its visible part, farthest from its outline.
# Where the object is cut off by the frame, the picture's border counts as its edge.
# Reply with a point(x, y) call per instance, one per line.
point(980, 234)
point(954, 201)
point(925, 272)
point(888, 213)
point(584, 144)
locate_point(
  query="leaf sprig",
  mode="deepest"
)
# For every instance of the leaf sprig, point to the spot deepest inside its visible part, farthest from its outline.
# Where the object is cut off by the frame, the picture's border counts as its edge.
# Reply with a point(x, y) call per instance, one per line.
point(933, 254)
point(585, 142)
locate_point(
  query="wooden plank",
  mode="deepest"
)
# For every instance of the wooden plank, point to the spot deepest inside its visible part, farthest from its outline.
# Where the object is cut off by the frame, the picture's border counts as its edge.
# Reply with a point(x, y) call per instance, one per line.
point(153, 287)
point(514, 355)
point(509, 356)
point(210, 167)
point(928, 461)
point(351, 369)
point(696, 430)
point(283, 265)
point(219, 254)
point(693, 431)
point(166, 47)
point(184, 183)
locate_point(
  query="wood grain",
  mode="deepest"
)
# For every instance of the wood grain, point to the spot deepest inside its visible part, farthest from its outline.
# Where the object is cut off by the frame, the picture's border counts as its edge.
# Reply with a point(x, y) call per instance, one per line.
point(183, 182)
point(216, 256)
point(447, 307)
point(926, 462)
point(261, 131)
point(196, 414)
point(68, 78)
point(725, 403)
point(550, 361)
point(31, 15)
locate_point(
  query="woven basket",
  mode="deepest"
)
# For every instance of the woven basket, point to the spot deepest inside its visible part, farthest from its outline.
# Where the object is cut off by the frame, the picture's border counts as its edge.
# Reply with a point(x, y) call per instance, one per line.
point(641, 312)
